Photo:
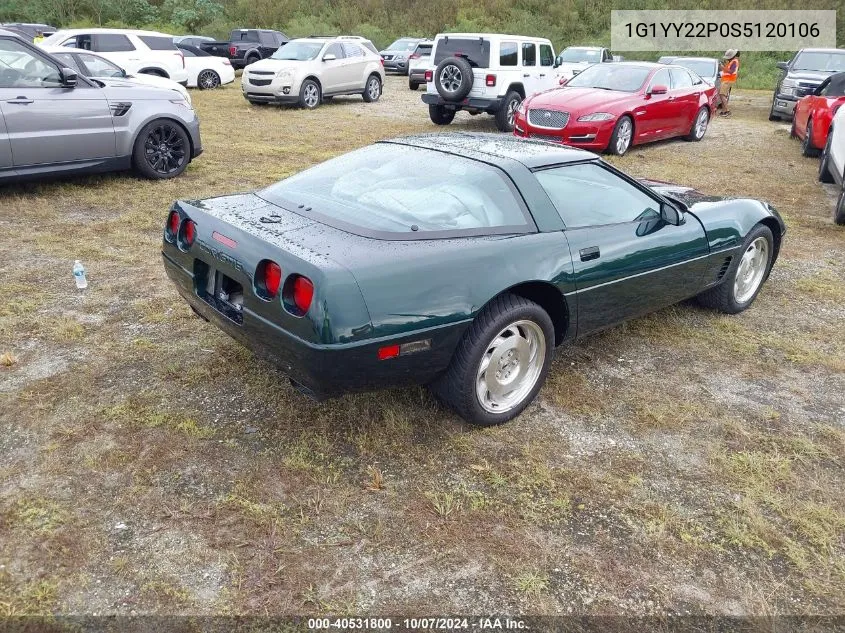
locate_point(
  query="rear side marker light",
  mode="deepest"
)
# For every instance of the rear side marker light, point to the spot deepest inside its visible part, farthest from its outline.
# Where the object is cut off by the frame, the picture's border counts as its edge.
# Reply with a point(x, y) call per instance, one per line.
point(490, 80)
point(388, 351)
point(392, 351)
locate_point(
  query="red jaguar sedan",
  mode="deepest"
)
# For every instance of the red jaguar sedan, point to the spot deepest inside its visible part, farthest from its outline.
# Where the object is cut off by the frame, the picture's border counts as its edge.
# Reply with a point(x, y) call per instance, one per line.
point(610, 107)
point(814, 113)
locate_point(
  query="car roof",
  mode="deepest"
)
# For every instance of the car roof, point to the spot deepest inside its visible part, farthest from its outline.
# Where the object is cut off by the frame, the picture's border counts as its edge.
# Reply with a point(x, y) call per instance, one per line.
point(490, 36)
point(586, 48)
point(9, 33)
point(97, 31)
point(494, 148)
point(695, 59)
point(823, 50)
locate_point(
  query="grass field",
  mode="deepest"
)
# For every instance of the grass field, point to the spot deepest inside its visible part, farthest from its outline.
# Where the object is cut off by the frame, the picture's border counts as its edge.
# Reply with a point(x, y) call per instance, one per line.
point(686, 462)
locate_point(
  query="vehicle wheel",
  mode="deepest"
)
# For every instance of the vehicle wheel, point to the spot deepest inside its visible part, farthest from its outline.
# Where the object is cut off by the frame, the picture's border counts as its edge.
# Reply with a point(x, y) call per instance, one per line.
point(500, 363)
point(162, 150)
point(372, 91)
point(807, 148)
point(699, 125)
point(772, 115)
point(309, 94)
point(824, 161)
point(793, 133)
point(507, 111)
point(440, 115)
point(745, 276)
point(453, 78)
point(251, 60)
point(839, 210)
point(623, 133)
point(207, 80)
point(154, 73)
point(413, 85)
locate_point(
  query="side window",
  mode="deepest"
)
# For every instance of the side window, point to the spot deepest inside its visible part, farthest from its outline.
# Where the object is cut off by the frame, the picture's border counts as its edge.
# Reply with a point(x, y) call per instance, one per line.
point(590, 195)
point(111, 43)
point(20, 68)
point(336, 50)
point(680, 78)
point(69, 61)
point(352, 50)
point(507, 54)
point(547, 56)
point(187, 52)
point(529, 54)
point(266, 39)
point(661, 78)
point(99, 67)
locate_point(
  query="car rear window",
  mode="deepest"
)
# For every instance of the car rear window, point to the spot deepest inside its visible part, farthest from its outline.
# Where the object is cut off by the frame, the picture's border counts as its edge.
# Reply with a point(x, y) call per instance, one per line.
point(157, 43)
point(476, 50)
point(243, 36)
point(399, 192)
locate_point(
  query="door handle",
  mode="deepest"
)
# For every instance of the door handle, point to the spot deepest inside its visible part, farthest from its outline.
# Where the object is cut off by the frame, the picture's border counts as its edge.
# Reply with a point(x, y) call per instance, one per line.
point(20, 101)
point(589, 253)
point(526, 75)
point(542, 74)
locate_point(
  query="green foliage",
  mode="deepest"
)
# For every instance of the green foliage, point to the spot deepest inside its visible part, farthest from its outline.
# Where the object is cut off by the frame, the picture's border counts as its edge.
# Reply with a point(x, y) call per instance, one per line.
point(191, 15)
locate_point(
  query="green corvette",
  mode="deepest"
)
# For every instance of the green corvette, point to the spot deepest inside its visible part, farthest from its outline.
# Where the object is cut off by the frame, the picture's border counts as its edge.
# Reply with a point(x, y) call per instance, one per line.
point(456, 260)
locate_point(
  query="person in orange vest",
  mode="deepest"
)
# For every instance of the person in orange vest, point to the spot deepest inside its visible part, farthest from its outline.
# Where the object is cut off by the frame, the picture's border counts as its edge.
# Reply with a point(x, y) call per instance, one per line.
point(728, 75)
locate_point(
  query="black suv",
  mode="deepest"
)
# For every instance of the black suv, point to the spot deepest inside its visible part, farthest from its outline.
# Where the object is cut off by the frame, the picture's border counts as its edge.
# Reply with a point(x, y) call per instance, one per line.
point(246, 46)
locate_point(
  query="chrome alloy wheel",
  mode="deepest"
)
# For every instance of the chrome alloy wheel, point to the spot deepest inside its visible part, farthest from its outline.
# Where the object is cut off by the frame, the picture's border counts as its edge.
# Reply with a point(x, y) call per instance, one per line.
point(701, 123)
point(208, 79)
point(751, 270)
point(451, 78)
point(311, 96)
point(373, 88)
point(513, 106)
point(510, 367)
point(623, 138)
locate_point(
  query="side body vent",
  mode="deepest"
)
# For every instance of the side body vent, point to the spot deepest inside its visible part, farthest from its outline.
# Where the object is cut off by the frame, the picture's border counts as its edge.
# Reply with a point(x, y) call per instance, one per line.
point(724, 268)
point(120, 109)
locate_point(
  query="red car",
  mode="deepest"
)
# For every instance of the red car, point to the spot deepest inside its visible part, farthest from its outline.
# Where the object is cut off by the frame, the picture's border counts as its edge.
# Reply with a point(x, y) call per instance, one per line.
point(614, 106)
point(814, 113)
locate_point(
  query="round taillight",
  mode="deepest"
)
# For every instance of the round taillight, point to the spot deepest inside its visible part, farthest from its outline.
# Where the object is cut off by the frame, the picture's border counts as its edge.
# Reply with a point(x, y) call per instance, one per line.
point(190, 232)
point(268, 279)
point(173, 221)
point(303, 293)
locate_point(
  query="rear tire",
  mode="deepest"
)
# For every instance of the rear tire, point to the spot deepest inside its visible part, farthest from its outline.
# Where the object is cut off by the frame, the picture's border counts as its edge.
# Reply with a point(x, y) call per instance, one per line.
point(839, 210)
point(440, 115)
point(731, 297)
point(162, 150)
point(372, 89)
point(413, 85)
point(208, 80)
point(514, 338)
point(824, 161)
point(623, 130)
point(251, 60)
point(506, 113)
point(807, 148)
point(699, 127)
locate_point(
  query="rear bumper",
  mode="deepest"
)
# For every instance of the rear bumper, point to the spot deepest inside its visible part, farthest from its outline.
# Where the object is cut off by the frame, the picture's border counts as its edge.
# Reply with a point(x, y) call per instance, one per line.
point(331, 369)
point(470, 103)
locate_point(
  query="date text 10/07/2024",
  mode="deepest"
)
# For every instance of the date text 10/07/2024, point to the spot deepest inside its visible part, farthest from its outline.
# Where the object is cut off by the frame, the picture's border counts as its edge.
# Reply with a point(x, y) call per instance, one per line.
point(418, 624)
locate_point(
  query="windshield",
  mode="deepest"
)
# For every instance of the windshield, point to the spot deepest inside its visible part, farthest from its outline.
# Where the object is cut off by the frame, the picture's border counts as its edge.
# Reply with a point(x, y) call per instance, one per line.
point(373, 189)
point(700, 67)
point(611, 77)
point(832, 62)
point(298, 51)
point(580, 55)
point(403, 45)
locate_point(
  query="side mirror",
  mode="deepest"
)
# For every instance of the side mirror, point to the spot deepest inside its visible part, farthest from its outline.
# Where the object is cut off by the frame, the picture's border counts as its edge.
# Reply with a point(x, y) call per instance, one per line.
point(68, 77)
point(329, 57)
point(783, 65)
point(558, 62)
point(658, 90)
point(671, 215)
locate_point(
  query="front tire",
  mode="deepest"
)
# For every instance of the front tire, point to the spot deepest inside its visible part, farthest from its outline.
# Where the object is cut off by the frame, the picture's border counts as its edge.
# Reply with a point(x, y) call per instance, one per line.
point(824, 161)
point(623, 135)
point(807, 148)
point(839, 210)
point(745, 276)
point(309, 94)
point(162, 150)
point(773, 116)
point(413, 85)
point(372, 91)
point(699, 124)
point(501, 362)
point(440, 115)
point(507, 111)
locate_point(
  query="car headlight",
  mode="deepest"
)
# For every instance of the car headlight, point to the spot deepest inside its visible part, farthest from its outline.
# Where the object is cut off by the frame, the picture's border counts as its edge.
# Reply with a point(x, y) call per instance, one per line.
point(522, 109)
point(596, 116)
point(286, 74)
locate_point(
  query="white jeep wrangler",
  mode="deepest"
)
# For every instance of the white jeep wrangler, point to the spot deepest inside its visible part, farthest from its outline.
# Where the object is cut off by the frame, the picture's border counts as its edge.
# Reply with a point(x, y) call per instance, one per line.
point(486, 72)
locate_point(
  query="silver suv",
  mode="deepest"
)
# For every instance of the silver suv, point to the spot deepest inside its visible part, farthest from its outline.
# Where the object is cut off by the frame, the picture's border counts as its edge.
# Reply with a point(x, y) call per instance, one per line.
point(55, 122)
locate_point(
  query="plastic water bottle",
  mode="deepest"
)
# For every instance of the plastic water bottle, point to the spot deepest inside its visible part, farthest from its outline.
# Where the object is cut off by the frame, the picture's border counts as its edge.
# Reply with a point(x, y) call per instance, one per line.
point(79, 275)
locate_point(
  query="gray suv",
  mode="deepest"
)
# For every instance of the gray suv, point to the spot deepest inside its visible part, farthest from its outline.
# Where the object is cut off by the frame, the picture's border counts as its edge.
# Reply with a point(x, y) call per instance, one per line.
point(801, 76)
point(55, 122)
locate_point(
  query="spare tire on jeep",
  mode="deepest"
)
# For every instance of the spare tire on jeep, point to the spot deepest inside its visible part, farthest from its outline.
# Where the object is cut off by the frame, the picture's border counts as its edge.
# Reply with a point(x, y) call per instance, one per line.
point(453, 78)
